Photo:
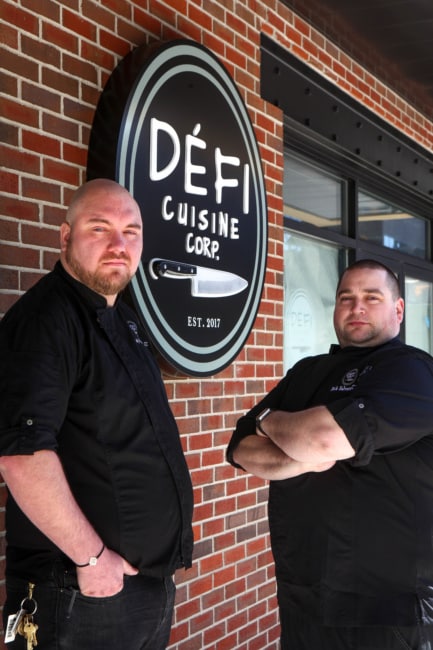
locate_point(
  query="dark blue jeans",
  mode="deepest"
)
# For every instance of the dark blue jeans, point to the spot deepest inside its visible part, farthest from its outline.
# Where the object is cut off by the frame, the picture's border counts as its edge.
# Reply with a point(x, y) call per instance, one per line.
point(137, 618)
point(298, 633)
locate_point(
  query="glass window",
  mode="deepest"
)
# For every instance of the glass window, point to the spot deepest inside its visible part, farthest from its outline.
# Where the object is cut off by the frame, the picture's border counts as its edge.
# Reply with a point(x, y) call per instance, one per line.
point(311, 271)
point(385, 224)
point(323, 221)
point(418, 313)
point(312, 196)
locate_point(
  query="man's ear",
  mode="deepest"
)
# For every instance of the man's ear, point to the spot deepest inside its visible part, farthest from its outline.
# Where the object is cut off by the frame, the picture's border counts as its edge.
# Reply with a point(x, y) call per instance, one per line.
point(65, 233)
point(400, 309)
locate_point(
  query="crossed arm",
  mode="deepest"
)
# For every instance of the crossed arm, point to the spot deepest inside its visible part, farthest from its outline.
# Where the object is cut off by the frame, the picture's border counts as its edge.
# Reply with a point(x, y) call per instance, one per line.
point(295, 443)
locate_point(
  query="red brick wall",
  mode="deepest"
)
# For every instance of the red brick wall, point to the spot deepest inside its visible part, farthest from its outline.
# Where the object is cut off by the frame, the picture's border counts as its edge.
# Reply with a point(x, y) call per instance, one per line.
point(54, 62)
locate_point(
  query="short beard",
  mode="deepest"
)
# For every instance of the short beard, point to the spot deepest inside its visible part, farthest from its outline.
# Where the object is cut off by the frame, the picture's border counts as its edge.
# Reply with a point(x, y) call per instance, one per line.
point(106, 285)
point(363, 342)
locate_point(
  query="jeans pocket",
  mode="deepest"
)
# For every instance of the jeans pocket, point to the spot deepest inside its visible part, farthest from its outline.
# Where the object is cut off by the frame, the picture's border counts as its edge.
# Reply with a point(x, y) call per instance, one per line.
point(139, 616)
point(75, 597)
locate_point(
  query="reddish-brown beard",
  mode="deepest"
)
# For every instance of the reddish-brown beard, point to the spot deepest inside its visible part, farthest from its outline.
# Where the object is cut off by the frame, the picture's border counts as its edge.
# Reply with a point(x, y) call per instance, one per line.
point(109, 284)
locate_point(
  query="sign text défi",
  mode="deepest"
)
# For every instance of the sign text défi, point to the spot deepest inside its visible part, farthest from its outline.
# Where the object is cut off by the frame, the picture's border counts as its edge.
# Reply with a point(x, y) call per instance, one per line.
point(216, 223)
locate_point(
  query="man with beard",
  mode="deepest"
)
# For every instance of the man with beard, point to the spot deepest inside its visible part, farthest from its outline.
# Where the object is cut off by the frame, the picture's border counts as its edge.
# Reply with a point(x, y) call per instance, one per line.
point(99, 495)
point(346, 440)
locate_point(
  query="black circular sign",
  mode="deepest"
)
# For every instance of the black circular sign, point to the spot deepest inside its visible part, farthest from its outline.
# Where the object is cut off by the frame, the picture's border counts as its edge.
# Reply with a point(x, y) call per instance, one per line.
point(186, 150)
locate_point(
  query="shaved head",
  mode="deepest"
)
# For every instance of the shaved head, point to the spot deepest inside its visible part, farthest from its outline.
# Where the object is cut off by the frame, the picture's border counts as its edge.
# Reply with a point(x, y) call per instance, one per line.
point(95, 185)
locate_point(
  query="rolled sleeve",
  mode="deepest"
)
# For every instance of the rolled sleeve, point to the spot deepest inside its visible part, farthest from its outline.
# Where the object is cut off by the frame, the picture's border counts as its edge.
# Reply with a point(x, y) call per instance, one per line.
point(35, 388)
point(25, 439)
point(246, 426)
point(390, 410)
point(350, 416)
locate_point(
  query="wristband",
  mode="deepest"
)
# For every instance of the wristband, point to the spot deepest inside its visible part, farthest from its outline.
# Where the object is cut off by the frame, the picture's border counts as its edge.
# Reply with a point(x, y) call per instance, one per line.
point(259, 419)
point(93, 560)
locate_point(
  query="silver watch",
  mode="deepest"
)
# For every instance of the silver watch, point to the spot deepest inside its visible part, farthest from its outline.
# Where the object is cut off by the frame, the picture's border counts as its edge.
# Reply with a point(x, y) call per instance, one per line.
point(259, 419)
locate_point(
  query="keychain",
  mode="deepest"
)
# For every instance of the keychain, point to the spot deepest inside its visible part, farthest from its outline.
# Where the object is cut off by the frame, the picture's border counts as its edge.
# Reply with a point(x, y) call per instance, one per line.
point(22, 622)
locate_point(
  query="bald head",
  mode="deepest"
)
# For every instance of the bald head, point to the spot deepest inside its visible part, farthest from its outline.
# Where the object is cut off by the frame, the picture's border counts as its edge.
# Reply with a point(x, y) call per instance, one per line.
point(96, 187)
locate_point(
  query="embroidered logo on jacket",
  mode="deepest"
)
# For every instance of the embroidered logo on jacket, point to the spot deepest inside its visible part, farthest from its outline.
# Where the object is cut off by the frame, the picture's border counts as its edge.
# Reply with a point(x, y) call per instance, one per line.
point(349, 379)
point(134, 331)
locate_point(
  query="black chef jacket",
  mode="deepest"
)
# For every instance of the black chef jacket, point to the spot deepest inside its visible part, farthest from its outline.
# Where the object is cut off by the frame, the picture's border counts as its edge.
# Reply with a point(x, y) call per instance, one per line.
point(78, 377)
point(353, 546)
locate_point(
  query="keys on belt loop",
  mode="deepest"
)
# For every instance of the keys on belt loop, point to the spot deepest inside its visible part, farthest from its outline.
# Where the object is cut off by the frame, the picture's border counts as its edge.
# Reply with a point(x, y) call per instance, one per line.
point(22, 622)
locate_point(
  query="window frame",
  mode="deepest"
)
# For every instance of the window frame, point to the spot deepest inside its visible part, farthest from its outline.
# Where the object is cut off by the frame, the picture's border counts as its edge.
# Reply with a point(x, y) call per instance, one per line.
point(313, 150)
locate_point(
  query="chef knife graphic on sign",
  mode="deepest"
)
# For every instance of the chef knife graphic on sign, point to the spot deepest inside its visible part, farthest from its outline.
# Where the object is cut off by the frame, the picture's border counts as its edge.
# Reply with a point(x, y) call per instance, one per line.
point(205, 282)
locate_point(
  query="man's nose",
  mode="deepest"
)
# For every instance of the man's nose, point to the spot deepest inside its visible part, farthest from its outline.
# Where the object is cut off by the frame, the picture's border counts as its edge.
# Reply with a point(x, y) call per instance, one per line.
point(117, 241)
point(358, 306)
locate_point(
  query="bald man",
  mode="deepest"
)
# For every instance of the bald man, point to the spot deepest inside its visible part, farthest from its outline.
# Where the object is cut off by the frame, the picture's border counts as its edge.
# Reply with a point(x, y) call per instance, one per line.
point(99, 495)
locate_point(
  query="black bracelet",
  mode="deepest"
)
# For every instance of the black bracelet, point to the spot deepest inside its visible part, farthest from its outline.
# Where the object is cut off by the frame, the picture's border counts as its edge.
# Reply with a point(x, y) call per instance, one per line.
point(92, 560)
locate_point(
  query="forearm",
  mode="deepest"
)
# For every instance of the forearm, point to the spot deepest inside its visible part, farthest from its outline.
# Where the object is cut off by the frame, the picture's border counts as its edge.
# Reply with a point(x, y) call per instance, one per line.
point(41, 490)
point(309, 436)
point(39, 486)
point(260, 456)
